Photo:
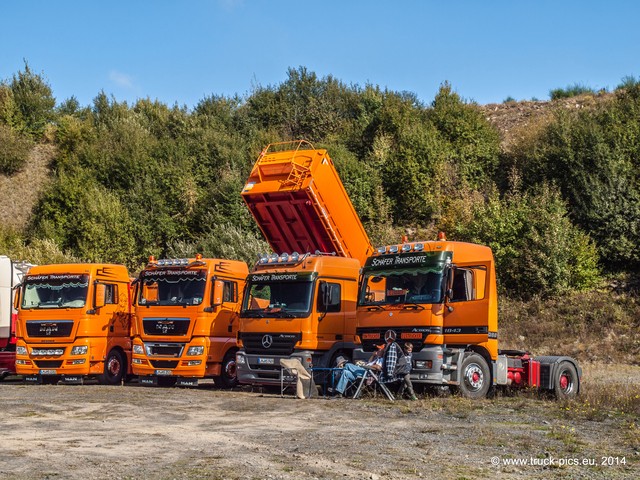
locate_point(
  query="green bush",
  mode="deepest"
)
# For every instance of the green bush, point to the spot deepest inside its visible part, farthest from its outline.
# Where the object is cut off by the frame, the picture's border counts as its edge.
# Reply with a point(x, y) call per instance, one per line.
point(571, 91)
point(14, 151)
point(538, 251)
point(594, 157)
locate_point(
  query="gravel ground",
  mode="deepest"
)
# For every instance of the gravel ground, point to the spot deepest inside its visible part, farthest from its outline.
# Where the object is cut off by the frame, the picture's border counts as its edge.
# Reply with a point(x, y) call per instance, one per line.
point(130, 432)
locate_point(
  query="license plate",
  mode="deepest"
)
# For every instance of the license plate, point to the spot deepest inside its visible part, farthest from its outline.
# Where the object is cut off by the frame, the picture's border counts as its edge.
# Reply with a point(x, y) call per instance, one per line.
point(47, 372)
point(163, 372)
point(266, 361)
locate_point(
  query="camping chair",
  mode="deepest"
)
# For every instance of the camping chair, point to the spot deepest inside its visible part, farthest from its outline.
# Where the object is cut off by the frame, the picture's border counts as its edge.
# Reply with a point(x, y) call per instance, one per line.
point(292, 372)
point(371, 379)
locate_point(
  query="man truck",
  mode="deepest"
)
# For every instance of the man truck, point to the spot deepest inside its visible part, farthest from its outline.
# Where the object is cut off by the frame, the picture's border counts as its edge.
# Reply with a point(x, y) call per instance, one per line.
point(187, 319)
point(300, 302)
point(441, 296)
point(74, 322)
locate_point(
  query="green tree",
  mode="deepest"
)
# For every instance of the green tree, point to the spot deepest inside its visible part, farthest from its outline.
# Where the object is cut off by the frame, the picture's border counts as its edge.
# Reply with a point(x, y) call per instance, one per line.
point(34, 102)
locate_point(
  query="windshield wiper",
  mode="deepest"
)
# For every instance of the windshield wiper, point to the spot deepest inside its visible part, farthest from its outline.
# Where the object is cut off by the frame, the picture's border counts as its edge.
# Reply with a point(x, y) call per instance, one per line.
point(253, 313)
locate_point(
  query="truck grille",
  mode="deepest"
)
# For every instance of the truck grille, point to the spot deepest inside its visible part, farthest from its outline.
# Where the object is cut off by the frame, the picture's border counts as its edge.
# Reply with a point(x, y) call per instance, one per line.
point(48, 363)
point(165, 326)
point(165, 349)
point(371, 337)
point(270, 343)
point(49, 328)
point(164, 363)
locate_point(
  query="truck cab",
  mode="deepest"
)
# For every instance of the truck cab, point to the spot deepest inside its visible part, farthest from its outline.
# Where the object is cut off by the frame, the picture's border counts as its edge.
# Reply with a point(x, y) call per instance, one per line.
point(187, 319)
point(74, 321)
point(441, 297)
point(300, 306)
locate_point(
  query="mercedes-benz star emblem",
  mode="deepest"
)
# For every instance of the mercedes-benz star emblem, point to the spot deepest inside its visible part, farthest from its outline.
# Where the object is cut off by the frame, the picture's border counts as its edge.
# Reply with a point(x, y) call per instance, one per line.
point(267, 341)
point(389, 335)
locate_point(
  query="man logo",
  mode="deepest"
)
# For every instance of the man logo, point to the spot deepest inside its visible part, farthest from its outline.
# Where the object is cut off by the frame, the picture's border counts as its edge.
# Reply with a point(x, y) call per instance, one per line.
point(267, 341)
point(390, 336)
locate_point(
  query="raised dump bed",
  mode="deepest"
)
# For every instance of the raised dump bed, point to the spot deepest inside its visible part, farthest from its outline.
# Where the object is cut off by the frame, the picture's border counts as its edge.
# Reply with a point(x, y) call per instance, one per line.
point(296, 197)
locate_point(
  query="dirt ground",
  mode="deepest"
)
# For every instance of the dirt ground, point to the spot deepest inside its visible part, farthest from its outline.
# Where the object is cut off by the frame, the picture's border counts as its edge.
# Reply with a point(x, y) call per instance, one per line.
point(132, 432)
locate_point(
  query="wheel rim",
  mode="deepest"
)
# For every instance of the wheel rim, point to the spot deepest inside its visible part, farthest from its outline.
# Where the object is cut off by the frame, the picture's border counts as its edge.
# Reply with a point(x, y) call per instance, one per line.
point(230, 369)
point(565, 382)
point(474, 377)
point(113, 366)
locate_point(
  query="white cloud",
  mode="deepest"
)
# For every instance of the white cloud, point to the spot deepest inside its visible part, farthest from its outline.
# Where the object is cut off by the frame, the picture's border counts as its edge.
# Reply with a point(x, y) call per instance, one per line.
point(121, 79)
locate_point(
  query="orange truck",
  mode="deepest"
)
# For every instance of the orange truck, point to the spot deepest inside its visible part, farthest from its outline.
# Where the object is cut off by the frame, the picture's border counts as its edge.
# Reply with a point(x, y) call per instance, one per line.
point(441, 296)
point(187, 319)
point(74, 322)
point(299, 302)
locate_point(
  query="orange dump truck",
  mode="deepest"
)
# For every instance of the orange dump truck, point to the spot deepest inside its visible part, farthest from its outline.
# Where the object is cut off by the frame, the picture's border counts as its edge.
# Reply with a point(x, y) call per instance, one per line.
point(441, 296)
point(187, 319)
point(74, 321)
point(299, 302)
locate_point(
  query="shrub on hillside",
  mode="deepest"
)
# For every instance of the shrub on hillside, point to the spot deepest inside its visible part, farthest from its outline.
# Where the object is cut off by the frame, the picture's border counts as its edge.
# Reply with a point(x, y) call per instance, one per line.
point(14, 151)
point(594, 158)
point(571, 91)
point(538, 251)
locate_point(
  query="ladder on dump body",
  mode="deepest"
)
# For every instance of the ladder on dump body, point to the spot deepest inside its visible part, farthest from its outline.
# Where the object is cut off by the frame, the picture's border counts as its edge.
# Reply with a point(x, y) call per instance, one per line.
point(297, 176)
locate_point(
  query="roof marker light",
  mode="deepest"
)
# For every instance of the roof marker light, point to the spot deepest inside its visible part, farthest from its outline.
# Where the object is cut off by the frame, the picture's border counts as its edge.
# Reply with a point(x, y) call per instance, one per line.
point(295, 256)
point(284, 257)
point(418, 247)
point(393, 249)
point(273, 257)
point(382, 249)
point(406, 247)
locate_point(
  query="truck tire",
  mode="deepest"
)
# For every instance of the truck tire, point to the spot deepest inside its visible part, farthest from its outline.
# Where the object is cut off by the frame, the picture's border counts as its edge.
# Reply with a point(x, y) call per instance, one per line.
point(565, 381)
point(114, 369)
point(475, 378)
point(229, 374)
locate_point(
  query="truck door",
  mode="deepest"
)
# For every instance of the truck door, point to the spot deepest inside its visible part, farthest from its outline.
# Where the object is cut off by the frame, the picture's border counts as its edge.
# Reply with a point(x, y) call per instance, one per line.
point(331, 319)
point(466, 318)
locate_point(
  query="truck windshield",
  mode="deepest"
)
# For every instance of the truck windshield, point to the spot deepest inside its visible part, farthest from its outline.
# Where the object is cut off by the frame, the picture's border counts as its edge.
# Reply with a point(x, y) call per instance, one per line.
point(388, 287)
point(55, 291)
point(278, 299)
point(172, 287)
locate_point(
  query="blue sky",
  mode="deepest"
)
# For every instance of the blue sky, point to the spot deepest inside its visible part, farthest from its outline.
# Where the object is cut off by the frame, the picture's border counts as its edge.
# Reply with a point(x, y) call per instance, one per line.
point(181, 52)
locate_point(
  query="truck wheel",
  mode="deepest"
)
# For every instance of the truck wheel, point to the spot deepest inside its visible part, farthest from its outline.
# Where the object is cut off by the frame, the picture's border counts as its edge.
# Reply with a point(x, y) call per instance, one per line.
point(475, 378)
point(229, 375)
point(114, 368)
point(566, 382)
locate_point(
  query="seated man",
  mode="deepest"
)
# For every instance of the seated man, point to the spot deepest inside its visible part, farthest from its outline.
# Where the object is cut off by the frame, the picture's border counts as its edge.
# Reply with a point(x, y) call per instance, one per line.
point(351, 371)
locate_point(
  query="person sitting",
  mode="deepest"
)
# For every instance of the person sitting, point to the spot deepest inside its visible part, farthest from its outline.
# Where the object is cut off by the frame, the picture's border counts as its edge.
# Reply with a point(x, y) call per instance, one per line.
point(396, 364)
point(351, 371)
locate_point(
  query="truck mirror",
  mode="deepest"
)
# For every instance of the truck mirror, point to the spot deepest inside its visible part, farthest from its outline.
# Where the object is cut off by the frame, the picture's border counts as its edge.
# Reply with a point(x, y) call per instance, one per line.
point(217, 293)
point(100, 294)
point(326, 296)
point(16, 297)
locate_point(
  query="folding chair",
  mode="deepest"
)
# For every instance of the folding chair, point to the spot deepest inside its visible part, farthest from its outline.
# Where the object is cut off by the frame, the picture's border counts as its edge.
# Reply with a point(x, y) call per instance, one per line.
point(292, 372)
point(371, 378)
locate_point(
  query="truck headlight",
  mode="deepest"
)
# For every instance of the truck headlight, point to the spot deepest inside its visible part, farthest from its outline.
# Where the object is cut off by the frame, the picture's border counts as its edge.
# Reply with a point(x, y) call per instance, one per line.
point(195, 351)
point(21, 350)
point(240, 359)
point(138, 350)
point(79, 350)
